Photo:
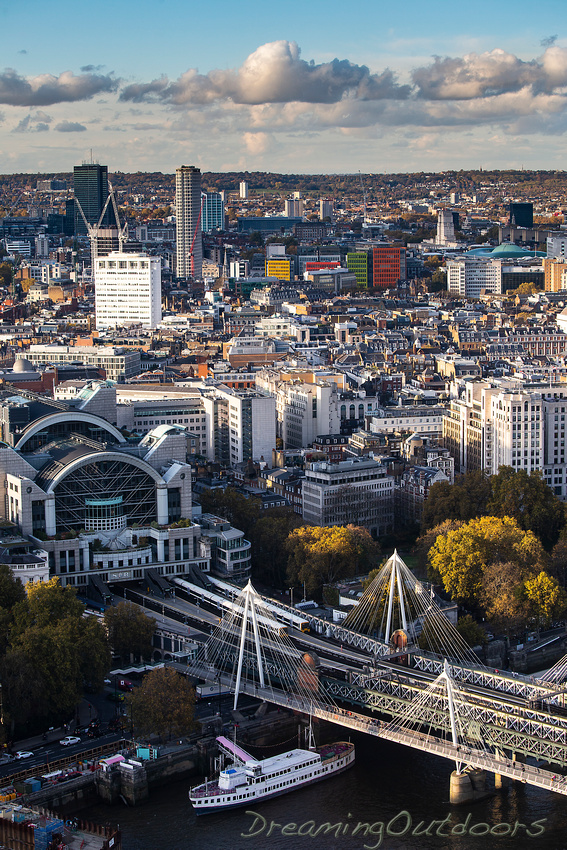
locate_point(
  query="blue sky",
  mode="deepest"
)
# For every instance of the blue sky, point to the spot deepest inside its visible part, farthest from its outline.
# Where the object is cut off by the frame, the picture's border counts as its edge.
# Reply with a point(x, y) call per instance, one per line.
point(306, 86)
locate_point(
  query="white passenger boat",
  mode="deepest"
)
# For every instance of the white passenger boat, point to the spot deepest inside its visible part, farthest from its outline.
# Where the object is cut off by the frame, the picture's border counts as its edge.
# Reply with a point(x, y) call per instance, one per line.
point(250, 780)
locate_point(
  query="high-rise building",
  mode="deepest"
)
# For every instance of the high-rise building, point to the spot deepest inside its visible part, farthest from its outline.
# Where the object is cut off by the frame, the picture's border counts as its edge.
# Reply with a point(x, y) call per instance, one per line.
point(388, 266)
point(353, 491)
point(244, 190)
point(242, 425)
point(555, 270)
point(468, 276)
point(521, 215)
point(325, 209)
point(188, 220)
point(359, 263)
point(90, 181)
point(445, 227)
point(213, 212)
point(279, 267)
point(502, 423)
point(127, 290)
point(293, 208)
point(557, 245)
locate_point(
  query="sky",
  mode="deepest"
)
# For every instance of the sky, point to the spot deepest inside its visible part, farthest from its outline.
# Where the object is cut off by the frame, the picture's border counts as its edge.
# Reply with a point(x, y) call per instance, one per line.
point(303, 86)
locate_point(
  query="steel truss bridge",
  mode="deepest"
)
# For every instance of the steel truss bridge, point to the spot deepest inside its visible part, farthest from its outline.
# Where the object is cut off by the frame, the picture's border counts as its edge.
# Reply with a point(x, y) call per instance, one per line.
point(479, 719)
point(473, 756)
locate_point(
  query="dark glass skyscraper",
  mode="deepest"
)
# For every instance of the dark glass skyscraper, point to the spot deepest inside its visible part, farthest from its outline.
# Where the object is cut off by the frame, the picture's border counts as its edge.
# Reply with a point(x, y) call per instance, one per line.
point(521, 214)
point(91, 190)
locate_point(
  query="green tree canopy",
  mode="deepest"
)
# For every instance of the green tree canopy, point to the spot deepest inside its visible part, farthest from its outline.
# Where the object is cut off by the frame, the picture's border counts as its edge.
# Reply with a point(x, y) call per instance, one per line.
point(427, 538)
point(11, 592)
point(268, 537)
point(461, 557)
point(528, 499)
point(51, 651)
point(241, 512)
point(130, 631)
point(11, 589)
point(47, 603)
point(471, 631)
point(318, 556)
point(464, 500)
point(163, 705)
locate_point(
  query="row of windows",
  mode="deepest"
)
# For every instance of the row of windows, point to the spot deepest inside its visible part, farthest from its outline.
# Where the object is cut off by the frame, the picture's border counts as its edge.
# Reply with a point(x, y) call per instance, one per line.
point(122, 264)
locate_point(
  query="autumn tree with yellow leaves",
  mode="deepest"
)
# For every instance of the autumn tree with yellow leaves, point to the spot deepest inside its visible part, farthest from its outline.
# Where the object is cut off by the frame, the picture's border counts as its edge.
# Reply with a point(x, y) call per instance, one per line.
point(461, 557)
point(319, 556)
point(493, 564)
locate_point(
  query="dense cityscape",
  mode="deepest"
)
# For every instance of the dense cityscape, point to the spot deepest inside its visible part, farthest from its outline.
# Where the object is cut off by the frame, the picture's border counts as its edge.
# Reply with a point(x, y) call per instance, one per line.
point(212, 379)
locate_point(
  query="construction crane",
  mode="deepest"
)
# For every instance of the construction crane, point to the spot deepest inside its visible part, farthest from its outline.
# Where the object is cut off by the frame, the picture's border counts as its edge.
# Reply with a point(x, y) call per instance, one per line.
point(203, 199)
point(122, 231)
point(93, 229)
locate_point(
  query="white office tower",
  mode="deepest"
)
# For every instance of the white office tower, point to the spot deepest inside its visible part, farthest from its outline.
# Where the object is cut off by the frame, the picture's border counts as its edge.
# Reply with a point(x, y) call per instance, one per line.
point(188, 222)
point(244, 190)
point(127, 290)
point(467, 277)
point(445, 227)
point(325, 209)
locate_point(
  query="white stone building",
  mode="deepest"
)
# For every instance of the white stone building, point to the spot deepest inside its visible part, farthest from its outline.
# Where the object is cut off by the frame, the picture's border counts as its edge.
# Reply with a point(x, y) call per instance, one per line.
point(127, 290)
point(468, 276)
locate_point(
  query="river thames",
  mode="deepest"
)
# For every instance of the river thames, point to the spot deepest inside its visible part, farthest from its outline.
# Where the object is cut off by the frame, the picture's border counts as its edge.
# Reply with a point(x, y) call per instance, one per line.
point(393, 797)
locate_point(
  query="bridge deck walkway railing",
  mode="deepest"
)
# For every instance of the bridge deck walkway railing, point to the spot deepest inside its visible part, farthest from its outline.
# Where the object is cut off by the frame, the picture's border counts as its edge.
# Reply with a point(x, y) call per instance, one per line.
point(525, 773)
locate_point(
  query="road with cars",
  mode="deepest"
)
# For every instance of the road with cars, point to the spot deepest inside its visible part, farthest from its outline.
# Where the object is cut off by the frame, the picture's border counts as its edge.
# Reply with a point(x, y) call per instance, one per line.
point(44, 756)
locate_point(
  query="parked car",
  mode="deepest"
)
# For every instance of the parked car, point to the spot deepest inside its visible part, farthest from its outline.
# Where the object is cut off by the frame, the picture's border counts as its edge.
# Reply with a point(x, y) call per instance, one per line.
point(70, 739)
point(23, 754)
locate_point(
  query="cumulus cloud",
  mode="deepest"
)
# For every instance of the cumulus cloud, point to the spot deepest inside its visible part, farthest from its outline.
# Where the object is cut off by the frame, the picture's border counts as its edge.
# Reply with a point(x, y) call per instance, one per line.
point(276, 90)
point(257, 143)
point(273, 73)
point(36, 122)
point(70, 127)
point(489, 74)
point(46, 89)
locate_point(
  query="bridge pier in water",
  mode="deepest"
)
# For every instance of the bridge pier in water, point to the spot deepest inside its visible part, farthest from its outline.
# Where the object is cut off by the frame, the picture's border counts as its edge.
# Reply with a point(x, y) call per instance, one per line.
point(467, 786)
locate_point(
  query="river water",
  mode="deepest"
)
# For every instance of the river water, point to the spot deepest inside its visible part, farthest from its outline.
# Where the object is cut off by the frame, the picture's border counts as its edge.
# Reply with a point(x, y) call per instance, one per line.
point(393, 797)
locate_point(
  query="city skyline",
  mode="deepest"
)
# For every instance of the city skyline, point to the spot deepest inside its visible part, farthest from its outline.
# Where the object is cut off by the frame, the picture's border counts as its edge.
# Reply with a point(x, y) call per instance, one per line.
point(148, 86)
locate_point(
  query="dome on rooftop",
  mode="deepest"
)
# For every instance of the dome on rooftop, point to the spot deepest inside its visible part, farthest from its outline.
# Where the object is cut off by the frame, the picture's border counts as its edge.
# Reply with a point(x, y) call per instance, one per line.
point(22, 365)
point(507, 249)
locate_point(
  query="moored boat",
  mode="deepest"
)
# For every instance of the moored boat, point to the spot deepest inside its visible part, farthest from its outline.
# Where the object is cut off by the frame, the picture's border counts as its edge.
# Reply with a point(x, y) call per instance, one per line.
point(250, 780)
